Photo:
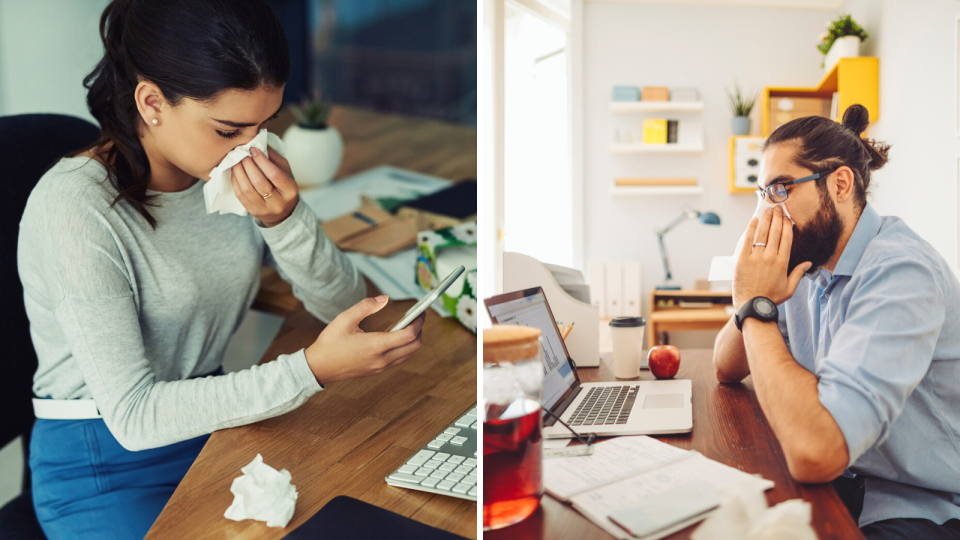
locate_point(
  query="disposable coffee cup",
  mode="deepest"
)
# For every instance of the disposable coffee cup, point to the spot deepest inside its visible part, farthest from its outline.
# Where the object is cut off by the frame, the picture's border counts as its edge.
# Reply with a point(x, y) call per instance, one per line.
point(627, 334)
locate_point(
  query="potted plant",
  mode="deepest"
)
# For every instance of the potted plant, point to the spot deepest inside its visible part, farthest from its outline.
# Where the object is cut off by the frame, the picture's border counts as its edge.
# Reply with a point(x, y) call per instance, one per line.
point(741, 107)
point(314, 149)
point(841, 40)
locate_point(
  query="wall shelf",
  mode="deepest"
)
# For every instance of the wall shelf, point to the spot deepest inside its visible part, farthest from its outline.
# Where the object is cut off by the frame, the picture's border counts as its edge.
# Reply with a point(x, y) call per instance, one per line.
point(628, 191)
point(652, 106)
point(670, 148)
point(855, 80)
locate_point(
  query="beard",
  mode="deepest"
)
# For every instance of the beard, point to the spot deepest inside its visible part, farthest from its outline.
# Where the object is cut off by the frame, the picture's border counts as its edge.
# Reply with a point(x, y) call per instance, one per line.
point(817, 241)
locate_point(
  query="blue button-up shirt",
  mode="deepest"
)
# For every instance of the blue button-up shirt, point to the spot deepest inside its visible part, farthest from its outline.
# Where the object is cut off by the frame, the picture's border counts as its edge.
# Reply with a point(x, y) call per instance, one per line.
point(882, 335)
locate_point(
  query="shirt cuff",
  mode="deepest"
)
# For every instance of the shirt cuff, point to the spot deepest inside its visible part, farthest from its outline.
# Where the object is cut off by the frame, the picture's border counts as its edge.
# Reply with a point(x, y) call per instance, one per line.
point(854, 413)
point(302, 372)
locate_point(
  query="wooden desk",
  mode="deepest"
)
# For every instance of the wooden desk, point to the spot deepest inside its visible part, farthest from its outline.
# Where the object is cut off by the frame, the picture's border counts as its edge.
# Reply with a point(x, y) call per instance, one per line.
point(728, 426)
point(345, 439)
point(666, 319)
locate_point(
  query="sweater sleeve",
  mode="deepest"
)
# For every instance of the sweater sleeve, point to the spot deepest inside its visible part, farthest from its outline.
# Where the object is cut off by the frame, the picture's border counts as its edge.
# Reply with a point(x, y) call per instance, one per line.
point(323, 278)
point(86, 285)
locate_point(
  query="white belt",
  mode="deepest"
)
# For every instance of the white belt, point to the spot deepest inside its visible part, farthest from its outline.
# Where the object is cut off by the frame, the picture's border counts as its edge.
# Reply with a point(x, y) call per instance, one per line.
point(65, 409)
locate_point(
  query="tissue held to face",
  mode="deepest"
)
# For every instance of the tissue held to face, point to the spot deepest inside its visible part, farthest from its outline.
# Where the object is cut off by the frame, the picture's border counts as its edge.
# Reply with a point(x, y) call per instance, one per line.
point(195, 137)
point(817, 223)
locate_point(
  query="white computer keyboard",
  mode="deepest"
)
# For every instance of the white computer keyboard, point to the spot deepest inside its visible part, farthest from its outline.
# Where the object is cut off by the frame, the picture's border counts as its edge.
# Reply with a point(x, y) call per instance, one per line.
point(447, 464)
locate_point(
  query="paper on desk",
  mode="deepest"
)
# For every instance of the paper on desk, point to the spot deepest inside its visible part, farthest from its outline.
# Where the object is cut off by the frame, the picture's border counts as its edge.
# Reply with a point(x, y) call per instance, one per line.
point(597, 504)
point(262, 493)
point(383, 183)
point(611, 460)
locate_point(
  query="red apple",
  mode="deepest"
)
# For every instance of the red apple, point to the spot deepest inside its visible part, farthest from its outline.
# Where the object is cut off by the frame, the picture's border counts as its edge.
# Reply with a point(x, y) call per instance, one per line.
point(663, 361)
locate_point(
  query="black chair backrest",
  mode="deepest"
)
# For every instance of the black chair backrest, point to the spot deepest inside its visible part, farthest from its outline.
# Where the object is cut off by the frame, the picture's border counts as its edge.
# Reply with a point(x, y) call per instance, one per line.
point(29, 145)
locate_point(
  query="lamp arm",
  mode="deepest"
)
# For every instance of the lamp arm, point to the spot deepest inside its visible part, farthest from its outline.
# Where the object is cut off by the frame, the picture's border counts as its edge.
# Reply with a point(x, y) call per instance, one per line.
point(680, 219)
point(663, 256)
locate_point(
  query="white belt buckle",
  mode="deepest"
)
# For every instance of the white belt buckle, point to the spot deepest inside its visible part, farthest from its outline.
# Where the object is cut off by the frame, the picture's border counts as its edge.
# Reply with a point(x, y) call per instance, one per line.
point(65, 409)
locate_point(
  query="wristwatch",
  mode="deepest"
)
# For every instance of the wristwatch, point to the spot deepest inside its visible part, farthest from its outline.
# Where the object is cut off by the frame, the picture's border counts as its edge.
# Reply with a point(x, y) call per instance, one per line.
point(760, 308)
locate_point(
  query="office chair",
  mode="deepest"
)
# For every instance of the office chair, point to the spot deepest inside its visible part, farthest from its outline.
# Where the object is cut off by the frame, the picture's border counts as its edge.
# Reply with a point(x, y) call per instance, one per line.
point(29, 145)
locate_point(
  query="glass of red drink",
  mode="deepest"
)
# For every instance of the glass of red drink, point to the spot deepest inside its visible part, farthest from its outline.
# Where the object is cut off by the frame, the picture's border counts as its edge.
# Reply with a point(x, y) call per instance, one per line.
point(512, 425)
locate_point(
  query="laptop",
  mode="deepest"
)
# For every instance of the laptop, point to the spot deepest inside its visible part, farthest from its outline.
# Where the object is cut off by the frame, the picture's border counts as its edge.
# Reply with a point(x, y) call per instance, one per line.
point(608, 409)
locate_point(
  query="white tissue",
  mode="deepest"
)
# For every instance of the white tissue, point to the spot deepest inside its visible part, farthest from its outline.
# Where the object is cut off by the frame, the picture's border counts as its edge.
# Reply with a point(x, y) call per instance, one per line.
point(264, 494)
point(721, 268)
point(218, 193)
point(744, 514)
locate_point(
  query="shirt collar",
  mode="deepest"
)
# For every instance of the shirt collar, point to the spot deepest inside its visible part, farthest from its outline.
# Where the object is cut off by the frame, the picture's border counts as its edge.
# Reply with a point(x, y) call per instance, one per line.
point(867, 228)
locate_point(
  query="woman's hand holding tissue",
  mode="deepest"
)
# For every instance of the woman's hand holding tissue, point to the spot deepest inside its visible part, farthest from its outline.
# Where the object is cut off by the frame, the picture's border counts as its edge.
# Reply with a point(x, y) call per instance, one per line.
point(762, 270)
point(344, 351)
point(265, 186)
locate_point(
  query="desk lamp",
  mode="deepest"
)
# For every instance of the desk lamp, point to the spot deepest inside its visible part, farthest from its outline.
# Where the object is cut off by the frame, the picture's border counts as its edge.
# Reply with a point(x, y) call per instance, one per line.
point(707, 218)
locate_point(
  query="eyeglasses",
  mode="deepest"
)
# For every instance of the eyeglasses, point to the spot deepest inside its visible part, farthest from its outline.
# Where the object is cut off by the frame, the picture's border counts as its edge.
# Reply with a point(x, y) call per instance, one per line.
point(777, 193)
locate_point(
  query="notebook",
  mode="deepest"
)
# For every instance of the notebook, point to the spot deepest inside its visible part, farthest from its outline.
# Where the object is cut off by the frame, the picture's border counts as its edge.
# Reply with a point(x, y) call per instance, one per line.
point(624, 471)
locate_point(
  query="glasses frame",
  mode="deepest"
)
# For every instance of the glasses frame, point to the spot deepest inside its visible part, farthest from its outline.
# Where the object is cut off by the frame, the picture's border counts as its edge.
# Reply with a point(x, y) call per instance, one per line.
point(766, 192)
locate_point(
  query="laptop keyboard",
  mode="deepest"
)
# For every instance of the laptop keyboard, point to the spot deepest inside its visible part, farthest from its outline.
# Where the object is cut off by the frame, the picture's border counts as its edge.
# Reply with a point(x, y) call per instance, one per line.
point(446, 465)
point(605, 405)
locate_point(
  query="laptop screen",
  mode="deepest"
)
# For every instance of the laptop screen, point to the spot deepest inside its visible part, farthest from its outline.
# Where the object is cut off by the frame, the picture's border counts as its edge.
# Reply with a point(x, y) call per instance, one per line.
point(530, 308)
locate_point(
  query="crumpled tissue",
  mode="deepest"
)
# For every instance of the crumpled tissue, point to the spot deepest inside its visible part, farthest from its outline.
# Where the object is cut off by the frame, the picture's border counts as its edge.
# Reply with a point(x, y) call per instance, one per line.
point(264, 494)
point(744, 514)
point(218, 192)
point(721, 268)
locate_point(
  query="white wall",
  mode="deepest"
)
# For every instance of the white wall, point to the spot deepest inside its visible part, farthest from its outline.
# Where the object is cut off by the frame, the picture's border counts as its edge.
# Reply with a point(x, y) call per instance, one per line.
point(46, 48)
point(915, 42)
point(681, 46)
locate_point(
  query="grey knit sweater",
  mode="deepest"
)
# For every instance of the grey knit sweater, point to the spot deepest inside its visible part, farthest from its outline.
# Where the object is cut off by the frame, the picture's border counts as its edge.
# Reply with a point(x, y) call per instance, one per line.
point(123, 314)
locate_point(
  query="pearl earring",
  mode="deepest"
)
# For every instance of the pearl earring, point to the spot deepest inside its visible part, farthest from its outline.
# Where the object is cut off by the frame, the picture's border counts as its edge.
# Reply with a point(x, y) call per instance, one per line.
point(155, 121)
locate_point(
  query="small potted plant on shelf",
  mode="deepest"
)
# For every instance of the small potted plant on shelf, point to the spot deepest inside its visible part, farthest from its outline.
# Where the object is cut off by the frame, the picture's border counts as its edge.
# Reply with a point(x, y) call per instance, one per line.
point(741, 107)
point(841, 40)
point(314, 148)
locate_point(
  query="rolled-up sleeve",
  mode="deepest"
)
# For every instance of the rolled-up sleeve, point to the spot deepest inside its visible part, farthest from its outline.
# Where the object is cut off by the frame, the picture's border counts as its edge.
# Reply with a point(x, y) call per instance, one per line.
point(882, 350)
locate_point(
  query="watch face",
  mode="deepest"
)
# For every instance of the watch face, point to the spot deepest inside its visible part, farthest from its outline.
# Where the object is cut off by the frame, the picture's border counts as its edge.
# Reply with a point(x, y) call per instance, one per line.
point(763, 306)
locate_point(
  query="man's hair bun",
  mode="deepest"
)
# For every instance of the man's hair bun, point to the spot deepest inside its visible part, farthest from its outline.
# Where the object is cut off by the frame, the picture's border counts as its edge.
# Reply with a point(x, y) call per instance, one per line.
point(856, 118)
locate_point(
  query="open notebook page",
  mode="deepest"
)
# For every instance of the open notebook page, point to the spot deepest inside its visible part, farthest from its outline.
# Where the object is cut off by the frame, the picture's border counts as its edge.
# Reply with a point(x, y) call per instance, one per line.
point(611, 460)
point(599, 503)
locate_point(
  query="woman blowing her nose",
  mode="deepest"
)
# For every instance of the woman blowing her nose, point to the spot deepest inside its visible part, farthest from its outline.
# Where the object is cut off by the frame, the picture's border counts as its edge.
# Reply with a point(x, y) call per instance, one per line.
point(133, 289)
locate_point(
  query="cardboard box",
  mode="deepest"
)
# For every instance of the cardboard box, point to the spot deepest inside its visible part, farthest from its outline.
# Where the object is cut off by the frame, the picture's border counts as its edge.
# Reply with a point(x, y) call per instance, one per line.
point(785, 109)
point(655, 93)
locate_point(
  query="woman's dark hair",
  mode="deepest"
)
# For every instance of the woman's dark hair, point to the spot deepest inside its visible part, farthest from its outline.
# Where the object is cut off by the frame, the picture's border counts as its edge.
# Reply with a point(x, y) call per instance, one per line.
point(190, 49)
point(823, 144)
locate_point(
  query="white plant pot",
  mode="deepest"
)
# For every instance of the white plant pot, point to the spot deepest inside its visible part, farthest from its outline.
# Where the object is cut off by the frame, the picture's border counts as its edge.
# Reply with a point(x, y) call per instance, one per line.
point(845, 47)
point(314, 154)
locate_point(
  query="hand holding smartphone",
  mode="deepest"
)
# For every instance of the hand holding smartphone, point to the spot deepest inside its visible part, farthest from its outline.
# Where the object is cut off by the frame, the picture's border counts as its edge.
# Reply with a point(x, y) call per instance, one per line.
point(430, 298)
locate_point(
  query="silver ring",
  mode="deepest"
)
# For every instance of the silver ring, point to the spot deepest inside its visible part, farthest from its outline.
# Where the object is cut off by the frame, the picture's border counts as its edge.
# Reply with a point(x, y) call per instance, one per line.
point(267, 196)
point(761, 244)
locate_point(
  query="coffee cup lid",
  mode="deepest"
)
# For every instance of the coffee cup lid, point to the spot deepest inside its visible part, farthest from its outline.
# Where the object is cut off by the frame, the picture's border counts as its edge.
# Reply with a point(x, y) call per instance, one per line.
point(627, 322)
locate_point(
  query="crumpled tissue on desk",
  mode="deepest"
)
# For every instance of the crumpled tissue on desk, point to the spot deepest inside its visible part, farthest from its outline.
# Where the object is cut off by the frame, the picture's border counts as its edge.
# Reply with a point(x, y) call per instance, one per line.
point(744, 514)
point(264, 494)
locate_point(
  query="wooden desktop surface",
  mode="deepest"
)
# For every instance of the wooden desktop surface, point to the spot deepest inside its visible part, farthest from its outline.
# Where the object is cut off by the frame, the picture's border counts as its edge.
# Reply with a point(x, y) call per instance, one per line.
point(345, 439)
point(728, 426)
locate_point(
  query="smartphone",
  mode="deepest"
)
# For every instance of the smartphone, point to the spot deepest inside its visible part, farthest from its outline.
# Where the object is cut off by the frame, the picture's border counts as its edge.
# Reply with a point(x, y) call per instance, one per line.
point(430, 298)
